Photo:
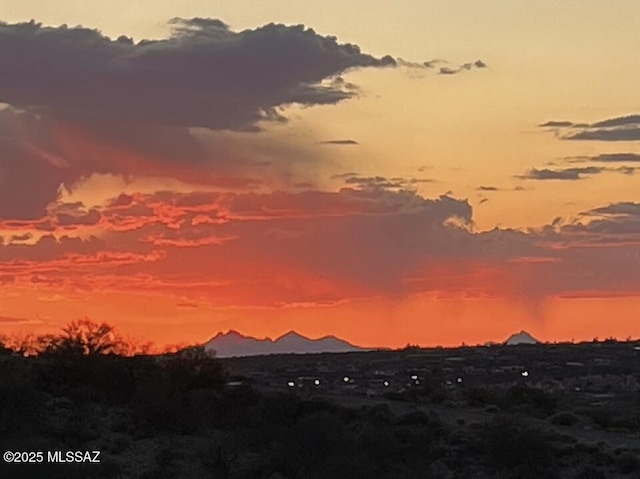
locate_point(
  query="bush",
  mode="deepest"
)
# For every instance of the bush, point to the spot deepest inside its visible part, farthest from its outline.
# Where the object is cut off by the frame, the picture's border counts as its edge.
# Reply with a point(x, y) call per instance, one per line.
point(518, 397)
point(481, 397)
point(509, 443)
point(564, 418)
point(628, 463)
point(590, 472)
point(22, 404)
point(414, 417)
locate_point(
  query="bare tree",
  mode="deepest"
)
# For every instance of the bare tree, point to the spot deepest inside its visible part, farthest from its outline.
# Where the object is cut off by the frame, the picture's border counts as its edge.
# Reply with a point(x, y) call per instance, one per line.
point(87, 338)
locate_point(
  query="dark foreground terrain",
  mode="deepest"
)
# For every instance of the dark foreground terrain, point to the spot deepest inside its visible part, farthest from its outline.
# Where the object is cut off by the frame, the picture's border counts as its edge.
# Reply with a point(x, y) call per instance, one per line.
point(541, 411)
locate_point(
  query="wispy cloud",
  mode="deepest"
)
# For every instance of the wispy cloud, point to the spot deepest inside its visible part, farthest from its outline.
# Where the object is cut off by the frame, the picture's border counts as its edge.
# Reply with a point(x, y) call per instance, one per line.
point(478, 64)
point(339, 142)
point(622, 128)
point(569, 174)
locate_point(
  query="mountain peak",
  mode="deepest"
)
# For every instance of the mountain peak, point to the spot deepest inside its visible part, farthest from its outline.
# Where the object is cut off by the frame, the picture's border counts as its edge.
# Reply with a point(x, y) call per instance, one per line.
point(233, 332)
point(292, 335)
point(522, 337)
point(235, 344)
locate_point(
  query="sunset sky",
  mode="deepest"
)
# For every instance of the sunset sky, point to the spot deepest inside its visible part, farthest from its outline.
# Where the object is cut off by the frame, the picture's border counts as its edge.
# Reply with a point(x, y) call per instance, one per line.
point(428, 172)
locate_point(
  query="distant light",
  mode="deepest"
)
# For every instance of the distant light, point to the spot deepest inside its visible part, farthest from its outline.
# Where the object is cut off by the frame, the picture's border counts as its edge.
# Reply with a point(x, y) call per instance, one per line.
point(346, 379)
point(291, 384)
point(386, 384)
point(459, 380)
point(525, 373)
point(577, 389)
point(317, 382)
point(417, 382)
point(449, 383)
point(414, 377)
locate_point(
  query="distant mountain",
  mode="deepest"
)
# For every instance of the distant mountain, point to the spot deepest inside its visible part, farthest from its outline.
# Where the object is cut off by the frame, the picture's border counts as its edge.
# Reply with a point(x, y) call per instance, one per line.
point(521, 338)
point(233, 344)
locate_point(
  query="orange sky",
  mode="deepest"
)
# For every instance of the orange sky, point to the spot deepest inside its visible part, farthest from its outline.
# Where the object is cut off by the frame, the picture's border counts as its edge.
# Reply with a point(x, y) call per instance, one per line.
point(234, 174)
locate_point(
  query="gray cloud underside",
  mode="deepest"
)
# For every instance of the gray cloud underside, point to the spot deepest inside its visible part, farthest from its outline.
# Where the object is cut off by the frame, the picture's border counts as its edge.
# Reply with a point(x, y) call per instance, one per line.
point(206, 74)
point(616, 158)
point(607, 134)
point(622, 128)
point(564, 174)
point(572, 174)
point(83, 103)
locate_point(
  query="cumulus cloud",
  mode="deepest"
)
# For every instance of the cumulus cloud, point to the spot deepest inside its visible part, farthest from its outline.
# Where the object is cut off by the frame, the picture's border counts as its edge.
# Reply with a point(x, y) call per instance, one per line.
point(82, 103)
point(206, 74)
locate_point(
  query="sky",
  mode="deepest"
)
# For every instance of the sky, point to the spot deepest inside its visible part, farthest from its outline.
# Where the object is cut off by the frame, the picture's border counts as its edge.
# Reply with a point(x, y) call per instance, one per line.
point(431, 172)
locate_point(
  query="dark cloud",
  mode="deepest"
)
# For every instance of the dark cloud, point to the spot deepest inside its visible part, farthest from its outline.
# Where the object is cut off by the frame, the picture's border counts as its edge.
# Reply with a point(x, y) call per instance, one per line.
point(625, 208)
point(487, 188)
point(339, 142)
point(617, 158)
point(20, 238)
point(84, 104)
point(479, 64)
point(607, 134)
point(443, 70)
point(556, 124)
point(614, 224)
point(381, 181)
point(618, 121)
point(92, 217)
point(564, 174)
point(622, 128)
point(206, 74)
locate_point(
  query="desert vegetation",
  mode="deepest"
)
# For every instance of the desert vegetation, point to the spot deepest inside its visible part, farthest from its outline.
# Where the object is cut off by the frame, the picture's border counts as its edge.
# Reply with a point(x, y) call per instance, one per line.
point(185, 414)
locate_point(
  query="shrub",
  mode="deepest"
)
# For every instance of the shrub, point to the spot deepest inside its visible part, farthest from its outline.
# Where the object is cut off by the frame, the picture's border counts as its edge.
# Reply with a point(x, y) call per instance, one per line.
point(564, 418)
point(21, 402)
point(414, 417)
point(536, 398)
point(590, 472)
point(509, 443)
point(480, 397)
point(628, 463)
